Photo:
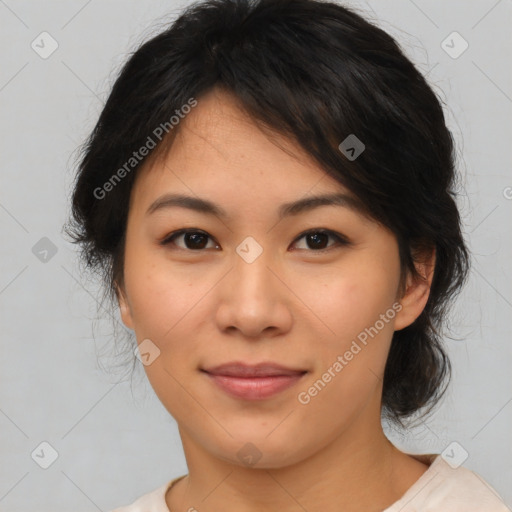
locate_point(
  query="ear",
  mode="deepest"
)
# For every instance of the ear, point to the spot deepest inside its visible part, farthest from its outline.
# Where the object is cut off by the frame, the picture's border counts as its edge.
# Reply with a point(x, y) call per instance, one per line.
point(417, 289)
point(124, 307)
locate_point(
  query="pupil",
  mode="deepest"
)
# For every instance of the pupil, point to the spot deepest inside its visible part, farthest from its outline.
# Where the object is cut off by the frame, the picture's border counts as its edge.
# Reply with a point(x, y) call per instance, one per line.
point(195, 239)
point(317, 239)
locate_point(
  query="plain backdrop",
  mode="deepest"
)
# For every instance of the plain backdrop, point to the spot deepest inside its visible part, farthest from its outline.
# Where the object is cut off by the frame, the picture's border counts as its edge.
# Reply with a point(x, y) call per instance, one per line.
point(113, 441)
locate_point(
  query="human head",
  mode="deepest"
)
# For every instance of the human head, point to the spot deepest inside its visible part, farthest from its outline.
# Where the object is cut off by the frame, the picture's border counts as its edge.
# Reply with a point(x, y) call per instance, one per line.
point(315, 72)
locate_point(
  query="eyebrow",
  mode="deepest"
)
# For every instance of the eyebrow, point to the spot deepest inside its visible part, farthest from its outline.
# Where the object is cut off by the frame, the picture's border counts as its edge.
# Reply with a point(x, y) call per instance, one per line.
point(285, 210)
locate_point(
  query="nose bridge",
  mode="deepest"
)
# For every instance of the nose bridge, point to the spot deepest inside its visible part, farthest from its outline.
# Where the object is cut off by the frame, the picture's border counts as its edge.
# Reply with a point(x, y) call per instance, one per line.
point(252, 300)
point(251, 272)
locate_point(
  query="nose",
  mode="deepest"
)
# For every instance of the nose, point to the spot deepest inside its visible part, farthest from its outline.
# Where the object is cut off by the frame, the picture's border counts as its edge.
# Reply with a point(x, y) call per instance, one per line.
point(253, 300)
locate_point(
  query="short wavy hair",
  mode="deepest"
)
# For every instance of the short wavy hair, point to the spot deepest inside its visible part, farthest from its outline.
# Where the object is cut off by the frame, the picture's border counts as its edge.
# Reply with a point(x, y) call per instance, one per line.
point(315, 72)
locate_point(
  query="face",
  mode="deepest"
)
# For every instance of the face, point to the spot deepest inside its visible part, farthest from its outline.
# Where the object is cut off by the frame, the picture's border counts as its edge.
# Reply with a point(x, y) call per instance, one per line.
point(314, 290)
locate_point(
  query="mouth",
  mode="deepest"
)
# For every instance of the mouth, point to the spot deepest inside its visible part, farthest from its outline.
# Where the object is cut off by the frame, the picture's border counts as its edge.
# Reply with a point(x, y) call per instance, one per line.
point(253, 382)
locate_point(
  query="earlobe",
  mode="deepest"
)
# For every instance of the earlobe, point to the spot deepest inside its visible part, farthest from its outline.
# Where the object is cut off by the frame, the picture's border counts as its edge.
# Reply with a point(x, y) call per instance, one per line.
point(417, 291)
point(124, 308)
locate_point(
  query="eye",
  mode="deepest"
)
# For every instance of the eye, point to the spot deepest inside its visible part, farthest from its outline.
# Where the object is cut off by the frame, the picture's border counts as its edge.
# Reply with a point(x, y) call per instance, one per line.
point(196, 240)
point(317, 239)
point(192, 238)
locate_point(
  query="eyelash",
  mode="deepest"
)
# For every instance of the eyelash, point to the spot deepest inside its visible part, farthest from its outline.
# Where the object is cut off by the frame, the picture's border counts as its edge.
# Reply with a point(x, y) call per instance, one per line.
point(341, 240)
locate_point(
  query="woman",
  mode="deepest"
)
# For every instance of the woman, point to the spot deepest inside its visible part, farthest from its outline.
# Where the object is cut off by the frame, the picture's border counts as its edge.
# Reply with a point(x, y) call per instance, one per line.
point(270, 195)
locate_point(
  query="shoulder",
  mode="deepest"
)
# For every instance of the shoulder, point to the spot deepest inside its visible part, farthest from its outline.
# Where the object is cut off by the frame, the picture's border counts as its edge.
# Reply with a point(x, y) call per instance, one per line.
point(443, 488)
point(153, 501)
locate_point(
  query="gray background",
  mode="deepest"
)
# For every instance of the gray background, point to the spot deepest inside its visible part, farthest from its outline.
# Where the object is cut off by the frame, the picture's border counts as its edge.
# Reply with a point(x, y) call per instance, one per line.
point(114, 439)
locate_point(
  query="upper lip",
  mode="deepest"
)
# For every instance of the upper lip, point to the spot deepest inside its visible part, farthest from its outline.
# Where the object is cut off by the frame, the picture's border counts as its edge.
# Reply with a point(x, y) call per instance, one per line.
point(240, 369)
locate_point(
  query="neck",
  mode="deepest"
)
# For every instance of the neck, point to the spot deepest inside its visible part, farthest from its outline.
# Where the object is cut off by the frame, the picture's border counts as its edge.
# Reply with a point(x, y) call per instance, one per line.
point(349, 474)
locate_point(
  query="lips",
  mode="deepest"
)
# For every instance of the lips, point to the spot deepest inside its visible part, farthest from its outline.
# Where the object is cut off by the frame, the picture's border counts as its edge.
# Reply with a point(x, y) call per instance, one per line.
point(238, 369)
point(253, 382)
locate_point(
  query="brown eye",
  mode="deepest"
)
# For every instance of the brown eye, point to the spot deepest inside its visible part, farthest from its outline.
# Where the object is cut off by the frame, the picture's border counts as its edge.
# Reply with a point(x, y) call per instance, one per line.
point(192, 239)
point(318, 240)
point(195, 240)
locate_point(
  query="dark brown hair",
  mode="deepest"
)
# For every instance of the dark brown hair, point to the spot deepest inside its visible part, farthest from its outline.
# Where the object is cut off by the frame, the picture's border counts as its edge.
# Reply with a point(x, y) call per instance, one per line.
point(315, 72)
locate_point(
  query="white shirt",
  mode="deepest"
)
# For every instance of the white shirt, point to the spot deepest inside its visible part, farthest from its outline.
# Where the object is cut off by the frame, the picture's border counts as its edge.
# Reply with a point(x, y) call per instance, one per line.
point(440, 489)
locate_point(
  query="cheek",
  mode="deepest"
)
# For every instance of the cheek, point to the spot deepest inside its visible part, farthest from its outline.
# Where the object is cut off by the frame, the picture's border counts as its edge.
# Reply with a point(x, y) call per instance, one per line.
point(164, 300)
point(350, 302)
point(159, 293)
point(349, 299)
point(352, 352)
point(167, 309)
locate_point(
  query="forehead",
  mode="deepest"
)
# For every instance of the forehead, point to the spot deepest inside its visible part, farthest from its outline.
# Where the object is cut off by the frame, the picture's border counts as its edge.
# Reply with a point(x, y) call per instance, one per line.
point(219, 151)
point(219, 128)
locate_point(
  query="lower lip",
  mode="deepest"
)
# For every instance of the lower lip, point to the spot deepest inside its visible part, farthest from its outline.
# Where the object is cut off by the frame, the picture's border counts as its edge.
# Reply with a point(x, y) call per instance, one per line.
point(254, 388)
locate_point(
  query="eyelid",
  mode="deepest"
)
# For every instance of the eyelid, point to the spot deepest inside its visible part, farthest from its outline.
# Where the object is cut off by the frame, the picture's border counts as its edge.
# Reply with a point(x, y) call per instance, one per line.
point(342, 240)
point(168, 239)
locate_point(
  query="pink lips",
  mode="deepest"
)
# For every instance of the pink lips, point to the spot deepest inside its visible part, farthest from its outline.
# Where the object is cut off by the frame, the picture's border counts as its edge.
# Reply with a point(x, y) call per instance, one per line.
point(253, 382)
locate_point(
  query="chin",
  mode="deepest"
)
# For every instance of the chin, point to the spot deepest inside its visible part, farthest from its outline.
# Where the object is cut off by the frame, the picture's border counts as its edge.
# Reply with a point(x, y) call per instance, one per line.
point(261, 451)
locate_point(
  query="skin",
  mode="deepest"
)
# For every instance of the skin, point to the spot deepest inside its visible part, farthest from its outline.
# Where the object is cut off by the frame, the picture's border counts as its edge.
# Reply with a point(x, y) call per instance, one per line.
point(292, 305)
